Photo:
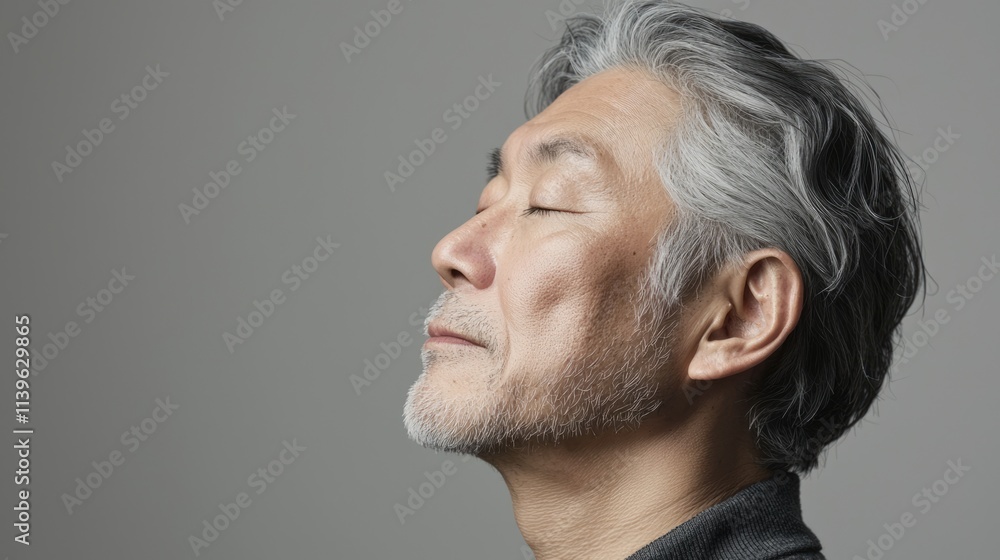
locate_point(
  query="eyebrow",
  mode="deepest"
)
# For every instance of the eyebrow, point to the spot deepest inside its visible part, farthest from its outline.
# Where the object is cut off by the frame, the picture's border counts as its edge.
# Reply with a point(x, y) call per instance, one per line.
point(545, 151)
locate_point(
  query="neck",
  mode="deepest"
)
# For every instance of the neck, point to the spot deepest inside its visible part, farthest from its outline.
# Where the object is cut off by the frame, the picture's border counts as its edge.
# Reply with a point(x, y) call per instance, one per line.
point(609, 495)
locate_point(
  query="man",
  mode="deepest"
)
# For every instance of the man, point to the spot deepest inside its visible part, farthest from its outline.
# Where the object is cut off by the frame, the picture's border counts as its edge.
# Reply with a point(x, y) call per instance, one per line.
point(683, 280)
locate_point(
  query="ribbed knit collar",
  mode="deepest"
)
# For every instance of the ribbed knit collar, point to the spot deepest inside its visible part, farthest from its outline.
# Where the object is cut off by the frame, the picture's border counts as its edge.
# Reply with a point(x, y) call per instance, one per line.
point(760, 522)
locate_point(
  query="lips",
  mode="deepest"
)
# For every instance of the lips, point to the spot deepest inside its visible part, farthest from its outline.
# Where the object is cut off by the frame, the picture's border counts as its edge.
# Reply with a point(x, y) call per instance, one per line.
point(440, 331)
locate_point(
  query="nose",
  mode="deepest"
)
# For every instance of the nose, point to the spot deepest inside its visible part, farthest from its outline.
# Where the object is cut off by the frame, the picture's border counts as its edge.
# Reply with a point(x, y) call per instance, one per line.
point(467, 254)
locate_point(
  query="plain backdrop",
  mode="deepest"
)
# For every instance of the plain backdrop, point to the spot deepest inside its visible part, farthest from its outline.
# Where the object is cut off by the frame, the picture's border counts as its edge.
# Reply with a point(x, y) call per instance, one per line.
point(197, 276)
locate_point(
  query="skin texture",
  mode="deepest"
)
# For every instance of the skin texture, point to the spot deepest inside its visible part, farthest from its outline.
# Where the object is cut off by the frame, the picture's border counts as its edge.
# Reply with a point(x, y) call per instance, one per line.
point(576, 391)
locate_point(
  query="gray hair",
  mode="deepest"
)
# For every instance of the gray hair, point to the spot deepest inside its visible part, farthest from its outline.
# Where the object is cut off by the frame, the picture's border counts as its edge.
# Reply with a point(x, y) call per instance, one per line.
point(769, 150)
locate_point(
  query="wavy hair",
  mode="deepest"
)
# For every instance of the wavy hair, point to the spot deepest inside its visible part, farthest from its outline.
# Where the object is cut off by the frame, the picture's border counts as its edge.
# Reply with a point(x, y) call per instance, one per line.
point(769, 150)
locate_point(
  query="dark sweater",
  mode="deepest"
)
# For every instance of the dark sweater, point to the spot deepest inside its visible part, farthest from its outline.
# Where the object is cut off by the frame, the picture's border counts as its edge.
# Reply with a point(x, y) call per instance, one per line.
point(760, 522)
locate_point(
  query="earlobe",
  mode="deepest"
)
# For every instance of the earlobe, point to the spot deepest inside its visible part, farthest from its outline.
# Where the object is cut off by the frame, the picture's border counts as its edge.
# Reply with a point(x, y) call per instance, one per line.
point(748, 314)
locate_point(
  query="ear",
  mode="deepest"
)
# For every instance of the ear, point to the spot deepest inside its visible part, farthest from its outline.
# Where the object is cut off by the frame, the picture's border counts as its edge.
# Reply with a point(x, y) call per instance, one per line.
point(746, 314)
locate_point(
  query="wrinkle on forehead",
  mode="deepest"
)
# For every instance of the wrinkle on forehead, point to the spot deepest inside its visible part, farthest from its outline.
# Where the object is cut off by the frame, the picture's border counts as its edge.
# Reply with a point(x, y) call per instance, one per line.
point(627, 110)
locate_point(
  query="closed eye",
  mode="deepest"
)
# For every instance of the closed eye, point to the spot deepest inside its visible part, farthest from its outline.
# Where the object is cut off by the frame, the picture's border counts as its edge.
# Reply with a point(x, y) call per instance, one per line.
point(535, 210)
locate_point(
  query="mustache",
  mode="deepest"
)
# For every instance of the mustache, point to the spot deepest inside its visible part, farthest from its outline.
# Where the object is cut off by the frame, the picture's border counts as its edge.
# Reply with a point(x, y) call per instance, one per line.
point(452, 313)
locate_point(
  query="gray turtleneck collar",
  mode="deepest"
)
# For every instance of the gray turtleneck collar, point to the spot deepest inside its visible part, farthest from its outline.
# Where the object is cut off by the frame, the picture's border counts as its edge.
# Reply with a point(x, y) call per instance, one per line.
point(760, 522)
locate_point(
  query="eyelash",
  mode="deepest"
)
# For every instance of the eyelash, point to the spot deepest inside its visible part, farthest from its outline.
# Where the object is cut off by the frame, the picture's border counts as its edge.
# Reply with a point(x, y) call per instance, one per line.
point(535, 210)
point(493, 169)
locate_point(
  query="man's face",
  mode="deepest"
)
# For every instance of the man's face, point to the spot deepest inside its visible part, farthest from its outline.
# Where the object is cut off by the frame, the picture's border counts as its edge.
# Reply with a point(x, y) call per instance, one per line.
point(567, 340)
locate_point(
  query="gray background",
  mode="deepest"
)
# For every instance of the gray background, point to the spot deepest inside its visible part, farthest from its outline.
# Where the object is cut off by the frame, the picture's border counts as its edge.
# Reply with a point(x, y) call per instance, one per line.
point(162, 336)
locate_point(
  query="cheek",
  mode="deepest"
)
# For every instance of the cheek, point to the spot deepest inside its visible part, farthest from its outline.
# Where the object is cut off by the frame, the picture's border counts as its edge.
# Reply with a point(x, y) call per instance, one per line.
point(561, 292)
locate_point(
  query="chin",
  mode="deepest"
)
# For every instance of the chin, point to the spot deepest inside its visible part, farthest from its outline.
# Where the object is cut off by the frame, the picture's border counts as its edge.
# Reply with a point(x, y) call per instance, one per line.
point(460, 411)
point(433, 417)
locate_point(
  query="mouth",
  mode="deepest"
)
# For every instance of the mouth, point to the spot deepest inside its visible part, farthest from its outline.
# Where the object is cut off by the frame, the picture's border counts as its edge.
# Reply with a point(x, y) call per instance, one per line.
point(442, 335)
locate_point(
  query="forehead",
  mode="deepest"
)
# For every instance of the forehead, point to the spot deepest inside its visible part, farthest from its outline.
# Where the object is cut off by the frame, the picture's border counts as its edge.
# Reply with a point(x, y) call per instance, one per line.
point(622, 114)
